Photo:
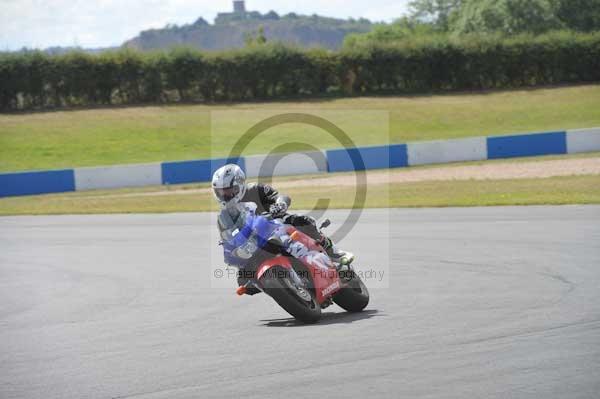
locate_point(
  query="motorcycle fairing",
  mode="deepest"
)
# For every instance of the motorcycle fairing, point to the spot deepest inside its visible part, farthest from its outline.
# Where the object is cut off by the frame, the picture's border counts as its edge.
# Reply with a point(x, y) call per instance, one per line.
point(281, 261)
point(242, 240)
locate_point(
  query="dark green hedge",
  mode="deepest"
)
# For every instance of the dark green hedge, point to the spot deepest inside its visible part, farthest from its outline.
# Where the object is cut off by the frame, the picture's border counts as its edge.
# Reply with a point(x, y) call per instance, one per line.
point(30, 80)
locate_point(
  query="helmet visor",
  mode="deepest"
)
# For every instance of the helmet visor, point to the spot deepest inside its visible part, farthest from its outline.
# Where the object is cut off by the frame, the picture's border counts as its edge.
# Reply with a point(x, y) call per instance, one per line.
point(227, 194)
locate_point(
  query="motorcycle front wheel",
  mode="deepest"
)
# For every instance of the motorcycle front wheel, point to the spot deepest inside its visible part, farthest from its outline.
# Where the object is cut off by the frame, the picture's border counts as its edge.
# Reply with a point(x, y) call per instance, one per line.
point(294, 299)
point(354, 297)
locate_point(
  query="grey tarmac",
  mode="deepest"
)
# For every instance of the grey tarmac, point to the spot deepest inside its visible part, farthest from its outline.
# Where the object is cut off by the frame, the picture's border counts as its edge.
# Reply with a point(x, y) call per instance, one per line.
point(465, 303)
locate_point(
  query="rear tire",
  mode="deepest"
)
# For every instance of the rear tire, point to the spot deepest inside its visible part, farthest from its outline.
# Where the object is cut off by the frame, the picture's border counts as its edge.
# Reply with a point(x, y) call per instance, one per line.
point(354, 297)
point(301, 304)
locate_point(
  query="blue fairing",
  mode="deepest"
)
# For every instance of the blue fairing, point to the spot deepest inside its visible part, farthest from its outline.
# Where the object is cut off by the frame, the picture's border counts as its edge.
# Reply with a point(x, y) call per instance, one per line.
point(253, 235)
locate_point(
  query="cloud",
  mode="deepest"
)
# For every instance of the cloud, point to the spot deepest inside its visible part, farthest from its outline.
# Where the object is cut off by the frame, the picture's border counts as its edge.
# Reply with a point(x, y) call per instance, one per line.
point(103, 23)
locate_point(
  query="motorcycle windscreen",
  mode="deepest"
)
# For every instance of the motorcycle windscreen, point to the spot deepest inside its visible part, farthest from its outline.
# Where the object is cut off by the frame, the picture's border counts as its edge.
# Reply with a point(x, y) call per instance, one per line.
point(244, 241)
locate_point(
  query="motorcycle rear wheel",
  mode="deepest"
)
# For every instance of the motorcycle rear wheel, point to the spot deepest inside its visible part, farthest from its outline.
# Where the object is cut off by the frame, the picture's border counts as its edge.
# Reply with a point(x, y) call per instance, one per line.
point(297, 301)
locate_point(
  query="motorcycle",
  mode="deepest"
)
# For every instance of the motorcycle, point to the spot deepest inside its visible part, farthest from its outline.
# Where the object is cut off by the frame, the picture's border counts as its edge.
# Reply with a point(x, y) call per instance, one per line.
point(301, 286)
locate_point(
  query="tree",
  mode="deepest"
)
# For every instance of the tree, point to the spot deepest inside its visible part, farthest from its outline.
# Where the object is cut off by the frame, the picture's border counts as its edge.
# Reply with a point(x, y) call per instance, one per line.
point(581, 15)
point(200, 22)
point(257, 38)
point(506, 16)
point(272, 15)
point(403, 28)
point(438, 12)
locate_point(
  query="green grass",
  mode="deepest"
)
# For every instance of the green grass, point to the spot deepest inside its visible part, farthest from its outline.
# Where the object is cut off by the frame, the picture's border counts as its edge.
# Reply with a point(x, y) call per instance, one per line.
point(548, 191)
point(65, 139)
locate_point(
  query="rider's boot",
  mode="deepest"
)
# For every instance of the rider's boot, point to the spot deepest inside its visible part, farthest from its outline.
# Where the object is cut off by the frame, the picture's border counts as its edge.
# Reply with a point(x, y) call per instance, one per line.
point(243, 279)
point(337, 255)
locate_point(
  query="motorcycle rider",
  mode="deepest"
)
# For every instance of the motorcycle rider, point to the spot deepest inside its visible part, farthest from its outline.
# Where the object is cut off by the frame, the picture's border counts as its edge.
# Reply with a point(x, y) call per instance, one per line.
point(230, 188)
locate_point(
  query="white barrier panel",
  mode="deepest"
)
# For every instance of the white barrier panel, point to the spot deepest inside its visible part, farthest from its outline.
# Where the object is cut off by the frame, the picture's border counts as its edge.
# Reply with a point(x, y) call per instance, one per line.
point(297, 163)
point(117, 176)
point(583, 140)
point(432, 152)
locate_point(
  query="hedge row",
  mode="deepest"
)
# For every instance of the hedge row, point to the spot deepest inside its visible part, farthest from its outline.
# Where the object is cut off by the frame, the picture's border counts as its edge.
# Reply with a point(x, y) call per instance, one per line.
point(31, 80)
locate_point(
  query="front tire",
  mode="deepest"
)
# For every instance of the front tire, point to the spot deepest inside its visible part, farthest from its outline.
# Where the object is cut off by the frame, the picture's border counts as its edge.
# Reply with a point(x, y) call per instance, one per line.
point(354, 297)
point(297, 301)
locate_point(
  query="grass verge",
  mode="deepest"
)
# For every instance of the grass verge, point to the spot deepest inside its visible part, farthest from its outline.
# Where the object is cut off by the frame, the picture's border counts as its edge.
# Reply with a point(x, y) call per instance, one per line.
point(65, 139)
point(548, 191)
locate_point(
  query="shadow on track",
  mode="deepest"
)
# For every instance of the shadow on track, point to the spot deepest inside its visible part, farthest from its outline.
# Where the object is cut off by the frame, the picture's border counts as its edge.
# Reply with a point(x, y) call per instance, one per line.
point(326, 318)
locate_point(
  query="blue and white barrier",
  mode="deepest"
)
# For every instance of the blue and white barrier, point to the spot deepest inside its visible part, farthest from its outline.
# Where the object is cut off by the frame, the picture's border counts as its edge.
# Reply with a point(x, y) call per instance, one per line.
point(296, 163)
point(117, 176)
point(363, 158)
point(527, 145)
point(42, 182)
point(337, 160)
point(447, 151)
point(183, 172)
point(583, 140)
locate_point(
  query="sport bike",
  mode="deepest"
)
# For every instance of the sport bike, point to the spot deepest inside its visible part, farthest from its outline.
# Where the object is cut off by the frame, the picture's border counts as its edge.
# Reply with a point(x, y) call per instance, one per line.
point(301, 285)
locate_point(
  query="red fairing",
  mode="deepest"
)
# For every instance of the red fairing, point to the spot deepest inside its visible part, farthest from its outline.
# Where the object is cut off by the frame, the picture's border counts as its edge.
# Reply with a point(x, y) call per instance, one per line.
point(282, 261)
point(299, 236)
point(326, 283)
point(325, 280)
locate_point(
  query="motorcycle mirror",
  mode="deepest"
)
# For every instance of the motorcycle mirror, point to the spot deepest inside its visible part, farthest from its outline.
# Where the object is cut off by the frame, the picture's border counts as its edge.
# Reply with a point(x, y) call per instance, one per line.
point(325, 223)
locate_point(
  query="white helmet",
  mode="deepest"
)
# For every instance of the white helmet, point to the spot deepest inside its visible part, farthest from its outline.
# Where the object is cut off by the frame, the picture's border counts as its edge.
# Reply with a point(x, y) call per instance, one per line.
point(229, 184)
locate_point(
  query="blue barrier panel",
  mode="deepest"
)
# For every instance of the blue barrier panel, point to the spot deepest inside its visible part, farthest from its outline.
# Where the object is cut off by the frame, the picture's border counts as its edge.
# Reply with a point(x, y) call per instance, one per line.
point(194, 171)
point(527, 145)
point(361, 158)
point(398, 156)
point(30, 183)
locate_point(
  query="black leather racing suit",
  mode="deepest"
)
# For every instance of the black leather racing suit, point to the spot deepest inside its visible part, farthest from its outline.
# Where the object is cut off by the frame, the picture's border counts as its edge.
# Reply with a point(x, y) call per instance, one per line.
point(264, 196)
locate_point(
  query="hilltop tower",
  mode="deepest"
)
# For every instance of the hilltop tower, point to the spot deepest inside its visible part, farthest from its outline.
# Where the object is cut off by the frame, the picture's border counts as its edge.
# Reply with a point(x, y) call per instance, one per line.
point(239, 7)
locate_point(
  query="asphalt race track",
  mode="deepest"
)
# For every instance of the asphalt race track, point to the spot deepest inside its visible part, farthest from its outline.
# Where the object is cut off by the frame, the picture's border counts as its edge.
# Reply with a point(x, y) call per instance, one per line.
point(480, 303)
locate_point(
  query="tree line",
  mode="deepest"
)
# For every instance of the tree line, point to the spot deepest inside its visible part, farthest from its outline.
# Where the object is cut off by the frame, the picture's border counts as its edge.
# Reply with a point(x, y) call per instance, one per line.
point(503, 17)
point(34, 80)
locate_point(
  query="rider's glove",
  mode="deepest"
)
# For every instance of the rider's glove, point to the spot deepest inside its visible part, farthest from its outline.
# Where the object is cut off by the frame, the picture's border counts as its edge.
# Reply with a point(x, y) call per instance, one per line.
point(278, 209)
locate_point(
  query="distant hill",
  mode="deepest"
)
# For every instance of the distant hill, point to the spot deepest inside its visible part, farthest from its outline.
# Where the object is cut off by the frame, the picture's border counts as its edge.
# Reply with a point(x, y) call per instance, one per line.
point(57, 50)
point(230, 30)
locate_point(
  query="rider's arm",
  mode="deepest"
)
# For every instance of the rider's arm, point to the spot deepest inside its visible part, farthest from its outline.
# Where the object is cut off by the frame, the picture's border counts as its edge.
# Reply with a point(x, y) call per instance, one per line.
point(267, 195)
point(273, 201)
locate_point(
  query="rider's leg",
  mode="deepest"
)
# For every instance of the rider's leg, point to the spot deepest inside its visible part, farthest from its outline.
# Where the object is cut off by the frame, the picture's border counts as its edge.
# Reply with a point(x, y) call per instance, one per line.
point(337, 255)
point(305, 224)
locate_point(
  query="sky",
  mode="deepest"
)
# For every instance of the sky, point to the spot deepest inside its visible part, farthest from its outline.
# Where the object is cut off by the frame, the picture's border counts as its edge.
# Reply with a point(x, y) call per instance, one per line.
point(105, 23)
